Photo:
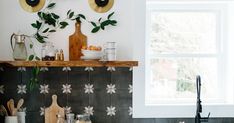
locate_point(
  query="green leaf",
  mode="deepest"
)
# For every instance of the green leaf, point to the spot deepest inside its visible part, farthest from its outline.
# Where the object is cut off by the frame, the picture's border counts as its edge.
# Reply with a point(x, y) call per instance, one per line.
point(71, 14)
point(55, 16)
point(37, 58)
point(40, 38)
point(111, 14)
point(39, 25)
point(93, 23)
point(31, 46)
point(34, 25)
point(105, 23)
point(50, 20)
point(63, 24)
point(96, 29)
point(99, 20)
point(40, 15)
point(31, 57)
point(78, 19)
point(46, 30)
point(113, 22)
point(82, 16)
point(50, 6)
point(52, 30)
point(68, 12)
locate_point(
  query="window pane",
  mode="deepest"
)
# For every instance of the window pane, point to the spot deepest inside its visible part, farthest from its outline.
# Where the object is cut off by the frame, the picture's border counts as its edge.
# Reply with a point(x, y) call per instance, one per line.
point(183, 32)
point(174, 79)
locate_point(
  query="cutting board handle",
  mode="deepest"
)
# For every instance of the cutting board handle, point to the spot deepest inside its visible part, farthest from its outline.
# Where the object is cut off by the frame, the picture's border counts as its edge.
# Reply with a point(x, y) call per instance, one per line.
point(54, 100)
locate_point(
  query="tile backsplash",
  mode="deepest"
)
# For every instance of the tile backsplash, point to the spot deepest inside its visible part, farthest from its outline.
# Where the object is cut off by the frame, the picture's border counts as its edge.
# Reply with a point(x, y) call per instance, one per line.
point(104, 93)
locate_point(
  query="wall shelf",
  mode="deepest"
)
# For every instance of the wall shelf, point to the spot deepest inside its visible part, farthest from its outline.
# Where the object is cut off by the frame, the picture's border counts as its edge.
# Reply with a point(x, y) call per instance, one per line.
point(80, 63)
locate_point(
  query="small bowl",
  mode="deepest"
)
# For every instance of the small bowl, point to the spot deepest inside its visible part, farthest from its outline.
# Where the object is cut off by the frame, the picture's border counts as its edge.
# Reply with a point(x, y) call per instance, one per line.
point(91, 54)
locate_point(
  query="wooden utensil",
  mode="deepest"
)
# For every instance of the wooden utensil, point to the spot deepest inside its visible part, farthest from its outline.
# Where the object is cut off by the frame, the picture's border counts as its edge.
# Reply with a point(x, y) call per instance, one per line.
point(19, 104)
point(53, 110)
point(3, 110)
point(12, 107)
point(8, 106)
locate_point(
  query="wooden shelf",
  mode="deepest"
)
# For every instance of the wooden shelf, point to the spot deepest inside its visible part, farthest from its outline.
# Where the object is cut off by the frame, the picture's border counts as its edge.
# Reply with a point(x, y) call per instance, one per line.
point(80, 63)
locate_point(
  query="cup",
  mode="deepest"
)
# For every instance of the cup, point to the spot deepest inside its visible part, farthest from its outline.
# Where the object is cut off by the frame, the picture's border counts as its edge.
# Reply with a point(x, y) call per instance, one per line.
point(11, 119)
point(110, 54)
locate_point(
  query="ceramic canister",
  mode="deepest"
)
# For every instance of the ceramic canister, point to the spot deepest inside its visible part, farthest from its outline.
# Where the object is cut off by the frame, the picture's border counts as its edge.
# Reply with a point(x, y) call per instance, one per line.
point(11, 119)
point(21, 117)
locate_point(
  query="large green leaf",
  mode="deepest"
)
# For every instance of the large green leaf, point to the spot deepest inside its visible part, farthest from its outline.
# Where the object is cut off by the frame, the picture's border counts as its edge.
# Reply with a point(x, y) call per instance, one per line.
point(96, 29)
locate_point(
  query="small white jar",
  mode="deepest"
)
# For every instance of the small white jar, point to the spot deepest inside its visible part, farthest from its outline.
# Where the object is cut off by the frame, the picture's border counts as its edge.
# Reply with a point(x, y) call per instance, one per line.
point(21, 117)
point(11, 119)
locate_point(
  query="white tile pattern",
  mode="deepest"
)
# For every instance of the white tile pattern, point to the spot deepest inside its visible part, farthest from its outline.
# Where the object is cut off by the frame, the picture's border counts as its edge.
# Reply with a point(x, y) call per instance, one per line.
point(111, 89)
point(21, 89)
point(111, 69)
point(130, 111)
point(89, 110)
point(44, 89)
point(66, 89)
point(42, 111)
point(89, 69)
point(44, 69)
point(67, 109)
point(66, 69)
point(89, 88)
point(111, 111)
point(130, 89)
point(21, 69)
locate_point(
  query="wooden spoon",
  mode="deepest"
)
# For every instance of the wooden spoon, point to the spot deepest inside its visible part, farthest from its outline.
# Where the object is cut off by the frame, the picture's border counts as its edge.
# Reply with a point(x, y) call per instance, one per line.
point(19, 104)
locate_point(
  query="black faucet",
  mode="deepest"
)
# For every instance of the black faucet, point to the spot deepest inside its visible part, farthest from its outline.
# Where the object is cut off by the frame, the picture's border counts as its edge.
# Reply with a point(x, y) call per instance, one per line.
point(198, 118)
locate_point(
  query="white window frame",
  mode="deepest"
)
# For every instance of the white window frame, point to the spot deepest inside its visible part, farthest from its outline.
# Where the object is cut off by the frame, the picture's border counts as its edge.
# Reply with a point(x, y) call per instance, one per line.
point(140, 110)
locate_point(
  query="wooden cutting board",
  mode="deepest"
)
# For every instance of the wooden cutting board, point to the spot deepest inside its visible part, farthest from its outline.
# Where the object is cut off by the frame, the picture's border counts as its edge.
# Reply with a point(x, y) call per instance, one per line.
point(76, 41)
point(53, 110)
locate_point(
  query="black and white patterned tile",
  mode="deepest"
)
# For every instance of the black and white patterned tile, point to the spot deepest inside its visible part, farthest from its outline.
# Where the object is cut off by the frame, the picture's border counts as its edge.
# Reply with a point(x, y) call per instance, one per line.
point(104, 93)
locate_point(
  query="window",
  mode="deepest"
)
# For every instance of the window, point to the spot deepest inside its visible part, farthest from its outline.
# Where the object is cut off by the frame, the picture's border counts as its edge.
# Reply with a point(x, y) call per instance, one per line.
point(181, 45)
point(185, 39)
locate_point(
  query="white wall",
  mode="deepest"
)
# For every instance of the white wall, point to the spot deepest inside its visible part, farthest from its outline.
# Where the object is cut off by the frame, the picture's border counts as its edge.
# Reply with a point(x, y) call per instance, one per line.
point(14, 18)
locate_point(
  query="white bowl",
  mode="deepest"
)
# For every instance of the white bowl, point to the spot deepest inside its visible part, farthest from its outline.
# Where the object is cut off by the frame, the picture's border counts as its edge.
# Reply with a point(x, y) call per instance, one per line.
point(91, 54)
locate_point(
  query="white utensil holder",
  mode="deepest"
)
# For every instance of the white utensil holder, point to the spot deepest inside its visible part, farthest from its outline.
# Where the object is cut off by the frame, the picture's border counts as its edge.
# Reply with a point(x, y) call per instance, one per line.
point(21, 117)
point(11, 119)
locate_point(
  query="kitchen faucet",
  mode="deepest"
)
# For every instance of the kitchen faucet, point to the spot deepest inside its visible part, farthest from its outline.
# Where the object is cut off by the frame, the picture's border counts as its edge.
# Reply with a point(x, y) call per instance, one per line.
point(198, 118)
